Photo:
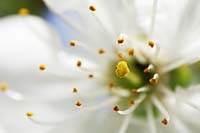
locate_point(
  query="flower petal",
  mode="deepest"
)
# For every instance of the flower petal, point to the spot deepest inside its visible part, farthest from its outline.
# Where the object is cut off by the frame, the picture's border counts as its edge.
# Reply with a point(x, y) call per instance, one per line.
point(26, 43)
point(183, 108)
point(99, 28)
point(104, 121)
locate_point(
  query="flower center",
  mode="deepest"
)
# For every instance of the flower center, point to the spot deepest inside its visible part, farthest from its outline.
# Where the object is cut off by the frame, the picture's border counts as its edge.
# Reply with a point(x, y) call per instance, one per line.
point(131, 74)
point(139, 80)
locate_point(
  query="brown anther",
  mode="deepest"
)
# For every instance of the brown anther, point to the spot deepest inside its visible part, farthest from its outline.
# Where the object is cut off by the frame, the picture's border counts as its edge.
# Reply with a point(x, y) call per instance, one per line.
point(23, 11)
point(151, 44)
point(120, 40)
point(132, 102)
point(79, 63)
point(147, 70)
point(164, 121)
point(116, 108)
point(78, 103)
point(3, 87)
point(198, 64)
point(42, 67)
point(120, 55)
point(75, 90)
point(92, 8)
point(72, 43)
point(131, 52)
point(134, 91)
point(153, 81)
point(101, 51)
point(111, 85)
point(29, 114)
point(90, 75)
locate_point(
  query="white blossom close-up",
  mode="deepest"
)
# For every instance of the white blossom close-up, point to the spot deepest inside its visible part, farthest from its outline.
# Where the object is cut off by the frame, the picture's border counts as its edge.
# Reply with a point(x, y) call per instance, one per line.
point(128, 66)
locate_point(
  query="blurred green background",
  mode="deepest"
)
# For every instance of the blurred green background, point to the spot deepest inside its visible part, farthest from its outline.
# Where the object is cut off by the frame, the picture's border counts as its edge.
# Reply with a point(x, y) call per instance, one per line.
point(8, 7)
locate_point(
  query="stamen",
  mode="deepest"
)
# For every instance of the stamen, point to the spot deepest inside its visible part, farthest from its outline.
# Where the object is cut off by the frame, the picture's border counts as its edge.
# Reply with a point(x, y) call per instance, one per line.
point(132, 102)
point(78, 103)
point(122, 69)
point(90, 75)
point(101, 51)
point(75, 90)
point(79, 63)
point(164, 121)
point(14, 95)
point(42, 67)
point(193, 105)
point(101, 23)
point(134, 91)
point(160, 107)
point(133, 107)
point(179, 63)
point(111, 84)
point(29, 114)
point(121, 92)
point(92, 8)
point(10, 93)
point(51, 123)
point(120, 40)
point(72, 43)
point(149, 69)
point(102, 104)
point(125, 124)
point(23, 11)
point(155, 79)
point(157, 51)
point(131, 52)
point(120, 55)
point(198, 64)
point(150, 118)
point(3, 87)
point(93, 94)
point(116, 108)
point(151, 44)
point(143, 89)
point(153, 17)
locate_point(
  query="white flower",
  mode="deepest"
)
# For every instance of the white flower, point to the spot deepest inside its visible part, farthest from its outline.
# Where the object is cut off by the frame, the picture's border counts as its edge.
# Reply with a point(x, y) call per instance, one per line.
point(127, 55)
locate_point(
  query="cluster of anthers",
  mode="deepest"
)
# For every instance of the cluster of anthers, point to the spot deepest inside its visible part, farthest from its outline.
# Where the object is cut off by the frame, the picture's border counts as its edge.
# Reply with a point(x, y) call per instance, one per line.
point(136, 96)
point(131, 81)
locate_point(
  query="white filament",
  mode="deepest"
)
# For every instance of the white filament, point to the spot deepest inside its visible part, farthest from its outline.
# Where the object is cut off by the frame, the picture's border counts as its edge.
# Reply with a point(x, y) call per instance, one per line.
point(125, 124)
point(53, 122)
point(143, 89)
point(193, 105)
point(179, 63)
point(157, 51)
point(150, 118)
point(153, 16)
point(14, 95)
point(109, 101)
point(160, 107)
point(120, 92)
point(151, 67)
point(133, 107)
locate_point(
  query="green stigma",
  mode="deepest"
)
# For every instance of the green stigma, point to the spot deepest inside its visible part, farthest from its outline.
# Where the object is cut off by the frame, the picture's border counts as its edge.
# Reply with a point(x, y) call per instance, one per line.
point(122, 69)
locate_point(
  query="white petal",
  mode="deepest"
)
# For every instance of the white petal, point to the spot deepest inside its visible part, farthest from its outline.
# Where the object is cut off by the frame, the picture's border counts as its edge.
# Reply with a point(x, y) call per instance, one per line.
point(176, 26)
point(100, 28)
point(182, 111)
point(104, 121)
point(13, 116)
point(27, 42)
point(188, 31)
